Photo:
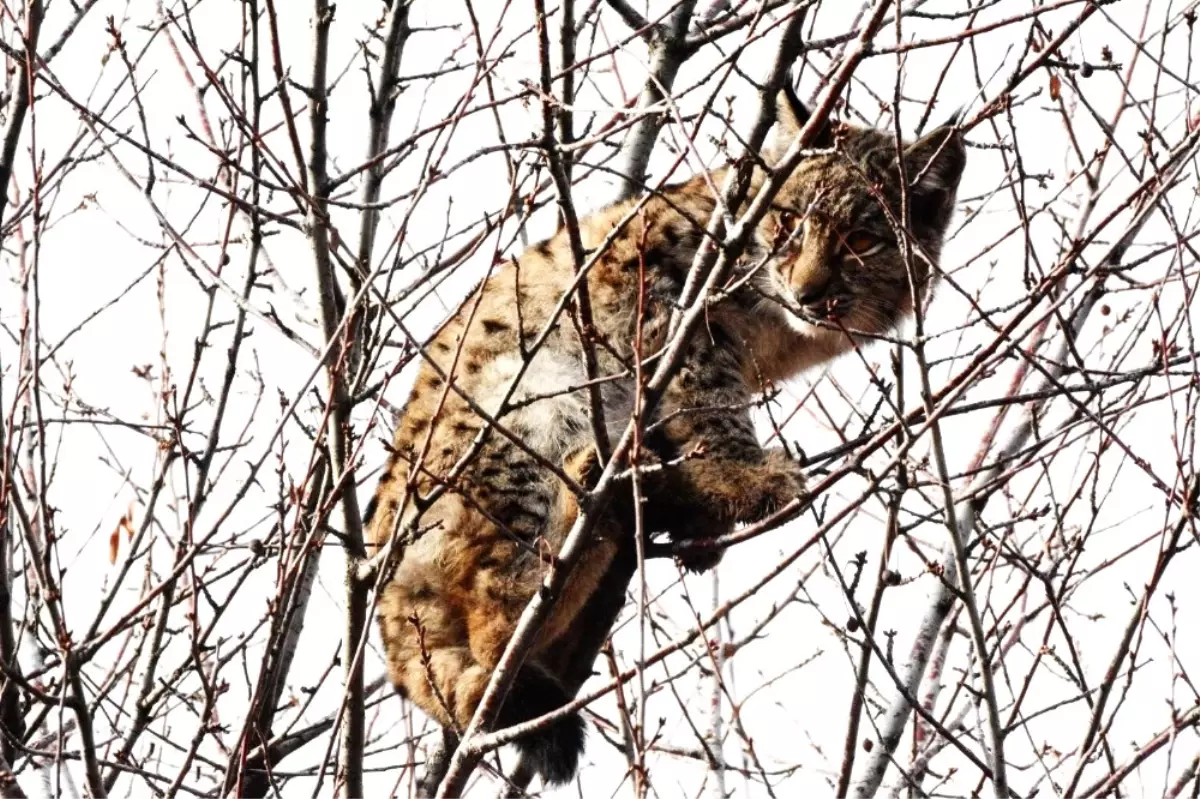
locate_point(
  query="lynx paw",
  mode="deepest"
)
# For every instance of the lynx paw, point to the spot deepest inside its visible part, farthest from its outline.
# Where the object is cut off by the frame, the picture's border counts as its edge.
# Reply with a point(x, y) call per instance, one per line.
point(698, 561)
point(780, 480)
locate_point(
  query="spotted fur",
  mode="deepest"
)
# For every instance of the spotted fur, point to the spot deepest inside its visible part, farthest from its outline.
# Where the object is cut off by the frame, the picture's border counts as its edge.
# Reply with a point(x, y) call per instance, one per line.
point(824, 272)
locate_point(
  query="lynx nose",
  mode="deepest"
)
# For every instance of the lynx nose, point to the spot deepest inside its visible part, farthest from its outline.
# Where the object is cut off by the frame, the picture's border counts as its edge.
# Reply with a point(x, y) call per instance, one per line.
point(811, 274)
point(813, 292)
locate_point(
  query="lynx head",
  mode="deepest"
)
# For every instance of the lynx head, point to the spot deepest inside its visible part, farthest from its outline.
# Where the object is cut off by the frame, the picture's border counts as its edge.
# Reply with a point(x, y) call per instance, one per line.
point(833, 258)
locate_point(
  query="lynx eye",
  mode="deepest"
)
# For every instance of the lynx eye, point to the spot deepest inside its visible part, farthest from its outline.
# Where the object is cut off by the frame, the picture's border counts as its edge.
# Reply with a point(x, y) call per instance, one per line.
point(790, 223)
point(862, 244)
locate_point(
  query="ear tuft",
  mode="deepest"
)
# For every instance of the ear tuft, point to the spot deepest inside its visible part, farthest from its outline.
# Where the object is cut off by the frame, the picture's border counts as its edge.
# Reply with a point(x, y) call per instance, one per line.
point(956, 117)
point(791, 115)
point(790, 112)
point(935, 164)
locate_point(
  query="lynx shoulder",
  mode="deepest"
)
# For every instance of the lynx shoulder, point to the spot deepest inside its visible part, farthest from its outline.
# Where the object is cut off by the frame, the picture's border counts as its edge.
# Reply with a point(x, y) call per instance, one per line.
point(500, 407)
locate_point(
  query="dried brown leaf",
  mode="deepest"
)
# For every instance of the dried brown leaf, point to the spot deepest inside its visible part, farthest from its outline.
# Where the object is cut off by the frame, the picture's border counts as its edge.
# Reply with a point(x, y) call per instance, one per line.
point(127, 522)
point(114, 543)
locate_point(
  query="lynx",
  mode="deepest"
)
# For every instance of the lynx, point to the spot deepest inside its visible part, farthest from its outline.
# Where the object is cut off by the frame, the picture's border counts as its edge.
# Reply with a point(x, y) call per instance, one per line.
point(824, 274)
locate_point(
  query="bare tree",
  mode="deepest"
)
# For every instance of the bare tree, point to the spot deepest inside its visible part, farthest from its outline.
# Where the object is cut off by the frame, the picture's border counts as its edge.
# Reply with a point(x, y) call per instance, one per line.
point(230, 227)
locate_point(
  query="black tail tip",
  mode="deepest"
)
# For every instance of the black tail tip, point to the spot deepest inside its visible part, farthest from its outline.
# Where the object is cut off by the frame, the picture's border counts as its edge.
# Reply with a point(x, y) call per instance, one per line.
point(555, 751)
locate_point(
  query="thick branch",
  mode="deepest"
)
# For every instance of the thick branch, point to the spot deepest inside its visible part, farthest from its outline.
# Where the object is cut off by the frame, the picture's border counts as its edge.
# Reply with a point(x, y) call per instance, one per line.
point(26, 67)
point(667, 54)
point(338, 428)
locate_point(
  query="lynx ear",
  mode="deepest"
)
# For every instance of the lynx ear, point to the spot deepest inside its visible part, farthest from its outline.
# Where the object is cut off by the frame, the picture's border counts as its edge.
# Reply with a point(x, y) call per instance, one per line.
point(791, 115)
point(935, 165)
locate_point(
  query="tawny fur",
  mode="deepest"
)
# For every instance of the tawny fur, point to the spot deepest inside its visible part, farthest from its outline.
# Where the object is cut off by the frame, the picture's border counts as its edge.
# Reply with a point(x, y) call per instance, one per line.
point(825, 270)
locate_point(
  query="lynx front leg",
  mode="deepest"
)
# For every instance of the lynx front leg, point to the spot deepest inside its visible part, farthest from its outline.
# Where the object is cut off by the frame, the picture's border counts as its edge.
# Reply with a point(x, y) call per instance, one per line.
point(721, 476)
point(711, 494)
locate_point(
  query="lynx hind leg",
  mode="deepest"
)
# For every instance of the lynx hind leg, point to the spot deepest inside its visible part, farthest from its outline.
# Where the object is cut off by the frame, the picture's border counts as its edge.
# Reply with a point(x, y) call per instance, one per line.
point(428, 660)
point(583, 465)
point(444, 641)
point(547, 681)
point(555, 749)
point(573, 655)
point(430, 664)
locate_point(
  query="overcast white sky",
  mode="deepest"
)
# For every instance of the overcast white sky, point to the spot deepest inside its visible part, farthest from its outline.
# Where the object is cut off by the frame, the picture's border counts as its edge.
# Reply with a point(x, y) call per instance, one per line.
point(103, 236)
